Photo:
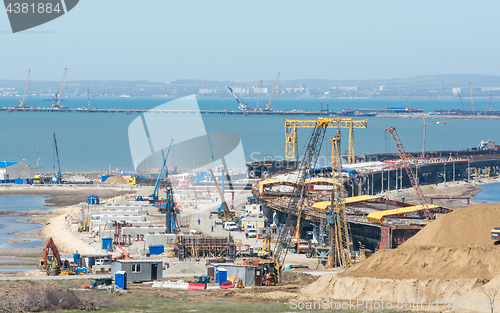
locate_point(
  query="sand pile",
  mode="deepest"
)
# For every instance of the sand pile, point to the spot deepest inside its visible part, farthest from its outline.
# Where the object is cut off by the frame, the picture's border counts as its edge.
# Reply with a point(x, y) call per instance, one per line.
point(296, 278)
point(118, 179)
point(456, 245)
point(185, 268)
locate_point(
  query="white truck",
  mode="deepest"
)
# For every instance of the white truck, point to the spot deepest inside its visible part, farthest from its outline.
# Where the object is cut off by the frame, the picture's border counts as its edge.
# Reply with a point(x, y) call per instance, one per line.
point(230, 226)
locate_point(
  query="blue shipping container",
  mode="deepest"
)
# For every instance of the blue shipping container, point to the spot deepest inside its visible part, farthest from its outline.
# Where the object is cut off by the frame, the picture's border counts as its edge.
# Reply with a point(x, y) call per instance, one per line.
point(121, 279)
point(107, 243)
point(156, 249)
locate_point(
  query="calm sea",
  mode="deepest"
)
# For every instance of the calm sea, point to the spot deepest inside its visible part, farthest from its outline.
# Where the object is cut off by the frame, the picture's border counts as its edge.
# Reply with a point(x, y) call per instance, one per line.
point(489, 193)
point(9, 224)
point(96, 142)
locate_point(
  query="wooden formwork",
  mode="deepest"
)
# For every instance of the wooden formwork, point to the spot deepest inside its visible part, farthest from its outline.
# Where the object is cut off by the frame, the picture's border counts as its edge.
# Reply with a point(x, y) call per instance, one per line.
point(206, 247)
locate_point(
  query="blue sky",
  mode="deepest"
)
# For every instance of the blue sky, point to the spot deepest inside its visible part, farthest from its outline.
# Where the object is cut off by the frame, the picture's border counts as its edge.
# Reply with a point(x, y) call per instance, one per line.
point(161, 40)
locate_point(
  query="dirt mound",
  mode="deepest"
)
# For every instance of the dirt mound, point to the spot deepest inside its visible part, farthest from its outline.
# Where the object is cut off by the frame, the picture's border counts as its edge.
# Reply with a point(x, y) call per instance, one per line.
point(118, 179)
point(296, 278)
point(456, 245)
point(185, 268)
point(393, 290)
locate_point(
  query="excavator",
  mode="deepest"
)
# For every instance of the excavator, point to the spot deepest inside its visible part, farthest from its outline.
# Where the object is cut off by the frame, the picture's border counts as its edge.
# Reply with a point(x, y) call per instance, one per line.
point(52, 264)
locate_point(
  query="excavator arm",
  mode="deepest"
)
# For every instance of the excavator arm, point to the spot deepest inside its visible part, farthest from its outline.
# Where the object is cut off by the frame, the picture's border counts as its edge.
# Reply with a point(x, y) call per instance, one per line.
point(50, 245)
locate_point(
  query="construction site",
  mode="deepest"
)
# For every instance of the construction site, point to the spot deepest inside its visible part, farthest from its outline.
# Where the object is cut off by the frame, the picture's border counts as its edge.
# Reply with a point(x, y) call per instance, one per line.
point(352, 229)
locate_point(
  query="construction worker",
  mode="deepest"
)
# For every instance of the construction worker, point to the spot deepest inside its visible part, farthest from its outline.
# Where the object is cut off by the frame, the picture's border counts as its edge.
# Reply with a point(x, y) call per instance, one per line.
point(212, 228)
point(199, 221)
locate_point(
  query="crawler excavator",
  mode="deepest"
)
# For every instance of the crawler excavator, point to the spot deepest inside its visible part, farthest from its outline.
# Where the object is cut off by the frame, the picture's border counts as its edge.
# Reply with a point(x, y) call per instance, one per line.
point(52, 264)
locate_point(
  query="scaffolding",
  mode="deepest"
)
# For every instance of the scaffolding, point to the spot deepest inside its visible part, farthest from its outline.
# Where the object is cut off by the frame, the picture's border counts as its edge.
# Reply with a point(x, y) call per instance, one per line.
point(206, 247)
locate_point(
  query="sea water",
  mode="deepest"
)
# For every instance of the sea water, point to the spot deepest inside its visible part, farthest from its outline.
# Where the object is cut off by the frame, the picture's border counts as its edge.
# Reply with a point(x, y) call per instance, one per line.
point(99, 141)
point(15, 224)
point(489, 193)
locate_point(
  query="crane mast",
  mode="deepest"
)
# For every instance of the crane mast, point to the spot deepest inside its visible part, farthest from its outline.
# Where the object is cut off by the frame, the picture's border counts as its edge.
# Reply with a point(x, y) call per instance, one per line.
point(61, 89)
point(337, 218)
point(59, 175)
point(268, 107)
point(258, 96)
point(25, 89)
point(297, 200)
point(471, 99)
point(154, 195)
point(407, 158)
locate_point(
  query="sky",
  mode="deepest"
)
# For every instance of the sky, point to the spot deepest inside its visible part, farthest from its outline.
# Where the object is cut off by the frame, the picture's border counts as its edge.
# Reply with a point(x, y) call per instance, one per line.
point(243, 41)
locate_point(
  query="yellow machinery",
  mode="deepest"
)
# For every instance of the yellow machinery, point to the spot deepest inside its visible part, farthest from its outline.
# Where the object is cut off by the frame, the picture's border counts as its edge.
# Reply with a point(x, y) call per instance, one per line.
point(132, 180)
point(291, 137)
point(495, 235)
point(84, 225)
point(37, 179)
point(227, 215)
point(266, 247)
point(339, 232)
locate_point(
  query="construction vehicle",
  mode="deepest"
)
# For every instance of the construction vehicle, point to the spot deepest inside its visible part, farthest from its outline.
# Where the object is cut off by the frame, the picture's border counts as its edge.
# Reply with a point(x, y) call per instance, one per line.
point(124, 254)
point(495, 235)
point(268, 105)
point(37, 179)
point(242, 106)
point(486, 145)
point(58, 179)
point(265, 251)
point(224, 213)
point(52, 264)
point(132, 181)
point(84, 225)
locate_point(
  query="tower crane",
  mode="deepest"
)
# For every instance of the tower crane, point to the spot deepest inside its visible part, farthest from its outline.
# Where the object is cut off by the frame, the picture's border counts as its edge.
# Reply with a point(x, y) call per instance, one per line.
point(258, 96)
point(21, 103)
point(58, 96)
point(268, 106)
point(471, 99)
point(407, 158)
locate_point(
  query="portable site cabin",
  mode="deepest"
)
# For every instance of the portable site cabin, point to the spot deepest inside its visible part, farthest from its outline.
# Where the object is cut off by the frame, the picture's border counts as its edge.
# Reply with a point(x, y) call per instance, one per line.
point(139, 270)
point(250, 275)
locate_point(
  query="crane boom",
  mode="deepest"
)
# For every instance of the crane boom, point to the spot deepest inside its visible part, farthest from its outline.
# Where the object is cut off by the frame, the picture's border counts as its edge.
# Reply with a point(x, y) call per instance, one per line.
point(471, 99)
point(225, 207)
point(297, 200)
point(50, 245)
point(25, 89)
point(59, 175)
point(258, 95)
point(268, 107)
point(406, 158)
point(242, 106)
point(61, 89)
point(154, 195)
point(487, 106)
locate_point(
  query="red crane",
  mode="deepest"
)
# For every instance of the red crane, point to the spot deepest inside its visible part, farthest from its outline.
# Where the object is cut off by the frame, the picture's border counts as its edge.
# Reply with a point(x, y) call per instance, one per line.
point(407, 158)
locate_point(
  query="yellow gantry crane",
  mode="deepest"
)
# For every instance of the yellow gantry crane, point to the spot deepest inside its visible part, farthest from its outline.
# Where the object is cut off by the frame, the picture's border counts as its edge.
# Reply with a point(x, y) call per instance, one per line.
point(339, 231)
point(291, 137)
